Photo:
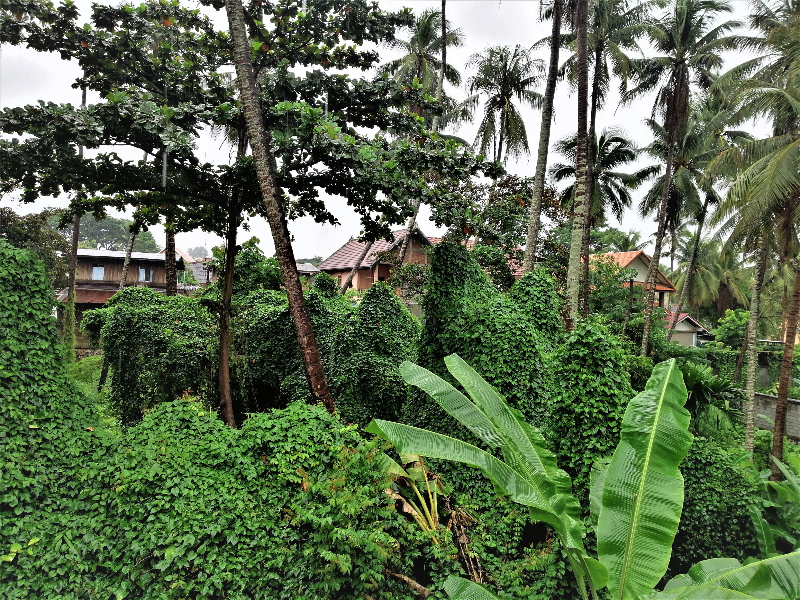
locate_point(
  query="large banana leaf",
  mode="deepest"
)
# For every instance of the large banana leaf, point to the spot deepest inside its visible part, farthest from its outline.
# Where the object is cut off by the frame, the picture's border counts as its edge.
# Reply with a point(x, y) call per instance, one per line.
point(529, 474)
point(459, 588)
point(775, 578)
point(643, 488)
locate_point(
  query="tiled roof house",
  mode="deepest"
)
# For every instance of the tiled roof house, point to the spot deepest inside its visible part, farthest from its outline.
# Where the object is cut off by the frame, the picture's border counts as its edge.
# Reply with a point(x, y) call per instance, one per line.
point(340, 263)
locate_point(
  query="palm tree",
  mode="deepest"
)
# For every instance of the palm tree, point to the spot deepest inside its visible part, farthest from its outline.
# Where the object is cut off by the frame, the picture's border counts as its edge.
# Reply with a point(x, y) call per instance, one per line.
point(610, 188)
point(504, 75)
point(582, 191)
point(629, 242)
point(263, 160)
point(688, 43)
point(421, 55)
point(534, 221)
point(431, 34)
point(765, 197)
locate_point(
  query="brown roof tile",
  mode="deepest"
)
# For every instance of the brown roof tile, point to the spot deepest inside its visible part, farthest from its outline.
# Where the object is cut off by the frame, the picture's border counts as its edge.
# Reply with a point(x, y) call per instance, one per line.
point(346, 256)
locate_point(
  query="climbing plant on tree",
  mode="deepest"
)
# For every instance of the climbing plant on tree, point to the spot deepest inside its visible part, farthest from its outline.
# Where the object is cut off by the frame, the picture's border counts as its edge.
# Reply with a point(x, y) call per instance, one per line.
point(367, 354)
point(593, 389)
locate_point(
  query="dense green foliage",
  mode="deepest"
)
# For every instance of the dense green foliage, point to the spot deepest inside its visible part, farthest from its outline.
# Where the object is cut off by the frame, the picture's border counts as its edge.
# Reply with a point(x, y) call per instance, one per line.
point(612, 290)
point(466, 315)
point(268, 366)
point(584, 416)
point(535, 293)
point(732, 328)
point(366, 355)
point(158, 347)
point(30, 232)
point(715, 521)
point(181, 505)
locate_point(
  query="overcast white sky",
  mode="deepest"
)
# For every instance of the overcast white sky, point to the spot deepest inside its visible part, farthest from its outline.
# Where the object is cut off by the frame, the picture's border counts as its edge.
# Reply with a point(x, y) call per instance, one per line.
point(27, 76)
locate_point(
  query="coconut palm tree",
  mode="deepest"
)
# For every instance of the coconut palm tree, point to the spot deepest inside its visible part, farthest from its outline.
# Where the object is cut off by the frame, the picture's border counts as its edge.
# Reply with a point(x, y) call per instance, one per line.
point(610, 187)
point(534, 221)
point(764, 200)
point(422, 58)
point(504, 76)
point(688, 42)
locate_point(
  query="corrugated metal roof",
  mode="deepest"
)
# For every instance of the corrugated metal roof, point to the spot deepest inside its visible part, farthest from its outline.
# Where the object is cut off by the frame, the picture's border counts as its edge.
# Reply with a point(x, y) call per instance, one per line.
point(306, 268)
point(154, 256)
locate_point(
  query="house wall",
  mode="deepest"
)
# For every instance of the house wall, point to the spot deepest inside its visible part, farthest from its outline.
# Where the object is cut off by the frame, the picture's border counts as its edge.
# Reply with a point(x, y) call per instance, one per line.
point(112, 271)
point(415, 253)
point(685, 338)
point(640, 268)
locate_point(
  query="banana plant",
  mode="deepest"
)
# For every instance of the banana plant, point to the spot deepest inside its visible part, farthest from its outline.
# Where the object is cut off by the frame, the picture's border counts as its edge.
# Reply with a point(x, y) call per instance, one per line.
point(639, 494)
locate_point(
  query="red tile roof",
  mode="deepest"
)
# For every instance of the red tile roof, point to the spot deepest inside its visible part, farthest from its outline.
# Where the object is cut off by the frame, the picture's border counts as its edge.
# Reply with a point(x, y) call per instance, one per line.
point(624, 259)
point(681, 318)
point(345, 257)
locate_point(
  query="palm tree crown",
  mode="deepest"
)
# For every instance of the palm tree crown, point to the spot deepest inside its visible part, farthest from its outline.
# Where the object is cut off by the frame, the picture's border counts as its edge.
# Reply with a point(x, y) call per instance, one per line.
point(504, 74)
point(422, 53)
point(610, 187)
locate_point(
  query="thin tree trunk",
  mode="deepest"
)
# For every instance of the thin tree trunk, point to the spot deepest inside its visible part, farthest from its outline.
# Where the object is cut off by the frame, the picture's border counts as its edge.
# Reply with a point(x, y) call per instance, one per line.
point(169, 256)
point(752, 345)
point(356, 267)
point(499, 156)
point(737, 372)
point(782, 403)
point(68, 326)
point(225, 399)
point(440, 85)
point(262, 158)
point(224, 366)
point(534, 222)
point(687, 282)
point(582, 192)
point(591, 151)
point(126, 264)
point(652, 272)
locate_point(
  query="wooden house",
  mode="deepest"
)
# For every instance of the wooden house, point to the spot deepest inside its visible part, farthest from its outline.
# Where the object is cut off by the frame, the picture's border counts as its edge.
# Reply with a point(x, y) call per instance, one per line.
point(339, 264)
point(99, 273)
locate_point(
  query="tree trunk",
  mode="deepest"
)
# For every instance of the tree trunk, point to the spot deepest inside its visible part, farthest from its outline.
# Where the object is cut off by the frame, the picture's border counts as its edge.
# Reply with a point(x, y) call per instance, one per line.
point(126, 264)
point(737, 372)
point(499, 156)
point(169, 255)
point(534, 222)
point(263, 160)
point(68, 326)
point(582, 192)
point(225, 399)
point(782, 403)
point(591, 151)
point(687, 282)
point(752, 345)
point(652, 272)
point(628, 310)
point(440, 85)
point(356, 267)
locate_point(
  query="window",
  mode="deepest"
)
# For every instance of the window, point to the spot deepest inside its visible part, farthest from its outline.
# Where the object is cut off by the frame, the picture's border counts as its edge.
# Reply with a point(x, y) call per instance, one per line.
point(98, 272)
point(145, 274)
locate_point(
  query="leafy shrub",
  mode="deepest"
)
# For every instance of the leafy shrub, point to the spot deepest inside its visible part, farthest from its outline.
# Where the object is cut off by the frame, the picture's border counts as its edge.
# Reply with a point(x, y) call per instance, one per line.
point(268, 366)
point(367, 352)
point(325, 285)
point(732, 328)
point(535, 293)
point(640, 369)
point(610, 292)
point(48, 443)
point(715, 520)
point(159, 347)
point(465, 315)
point(584, 416)
point(494, 261)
